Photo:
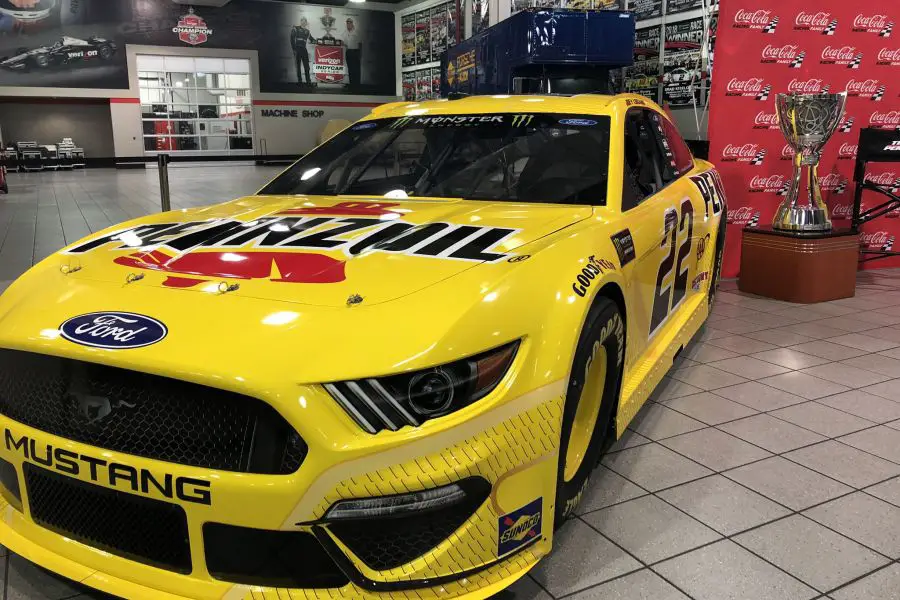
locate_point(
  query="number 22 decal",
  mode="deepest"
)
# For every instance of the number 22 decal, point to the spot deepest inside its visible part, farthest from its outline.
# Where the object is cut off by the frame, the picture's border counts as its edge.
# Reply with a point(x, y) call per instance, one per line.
point(668, 296)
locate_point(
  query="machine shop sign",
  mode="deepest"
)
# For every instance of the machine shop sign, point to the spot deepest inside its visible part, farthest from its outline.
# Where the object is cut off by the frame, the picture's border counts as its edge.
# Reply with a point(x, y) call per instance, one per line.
point(192, 29)
point(291, 113)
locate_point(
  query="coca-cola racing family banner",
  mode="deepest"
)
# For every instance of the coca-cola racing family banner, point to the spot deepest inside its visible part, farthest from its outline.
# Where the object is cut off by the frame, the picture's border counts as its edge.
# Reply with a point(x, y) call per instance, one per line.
point(769, 46)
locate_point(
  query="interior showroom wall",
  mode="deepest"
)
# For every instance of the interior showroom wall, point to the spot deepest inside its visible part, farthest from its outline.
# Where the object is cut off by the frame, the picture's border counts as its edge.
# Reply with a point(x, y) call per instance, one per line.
point(86, 49)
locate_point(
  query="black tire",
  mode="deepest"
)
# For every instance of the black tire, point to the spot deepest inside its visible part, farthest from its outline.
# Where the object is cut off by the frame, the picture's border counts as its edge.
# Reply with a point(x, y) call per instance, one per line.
point(41, 61)
point(603, 326)
point(106, 52)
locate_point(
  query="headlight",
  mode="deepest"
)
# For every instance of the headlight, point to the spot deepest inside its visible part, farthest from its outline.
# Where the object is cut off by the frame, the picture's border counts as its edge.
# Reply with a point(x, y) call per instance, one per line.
point(412, 398)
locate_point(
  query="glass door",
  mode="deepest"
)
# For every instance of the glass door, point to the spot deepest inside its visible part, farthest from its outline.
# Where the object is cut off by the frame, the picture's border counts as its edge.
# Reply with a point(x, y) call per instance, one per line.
point(195, 106)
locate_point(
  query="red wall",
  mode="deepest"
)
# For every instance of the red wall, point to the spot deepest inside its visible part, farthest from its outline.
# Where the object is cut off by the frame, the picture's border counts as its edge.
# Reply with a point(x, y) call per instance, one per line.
point(768, 46)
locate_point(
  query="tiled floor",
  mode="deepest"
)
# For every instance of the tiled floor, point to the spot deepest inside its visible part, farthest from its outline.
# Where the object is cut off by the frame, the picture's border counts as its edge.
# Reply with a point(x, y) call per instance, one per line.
point(766, 466)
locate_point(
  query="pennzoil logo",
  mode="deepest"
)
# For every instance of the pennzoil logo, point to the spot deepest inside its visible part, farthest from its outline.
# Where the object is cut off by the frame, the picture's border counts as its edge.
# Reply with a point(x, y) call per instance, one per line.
point(519, 528)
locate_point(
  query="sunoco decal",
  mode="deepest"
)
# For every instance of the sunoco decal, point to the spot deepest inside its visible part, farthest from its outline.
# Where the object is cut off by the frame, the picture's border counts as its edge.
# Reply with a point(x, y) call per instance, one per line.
point(624, 246)
point(113, 330)
point(519, 528)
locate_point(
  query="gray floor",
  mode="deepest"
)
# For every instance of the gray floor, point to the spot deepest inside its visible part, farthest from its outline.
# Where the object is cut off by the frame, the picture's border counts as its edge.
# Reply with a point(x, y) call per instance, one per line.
point(767, 466)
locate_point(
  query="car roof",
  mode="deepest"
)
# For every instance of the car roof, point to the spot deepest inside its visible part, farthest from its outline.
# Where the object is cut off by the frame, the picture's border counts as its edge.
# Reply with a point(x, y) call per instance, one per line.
point(586, 104)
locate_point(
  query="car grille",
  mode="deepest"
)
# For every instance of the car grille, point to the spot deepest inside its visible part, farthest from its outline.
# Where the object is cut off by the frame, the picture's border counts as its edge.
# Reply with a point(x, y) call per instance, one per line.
point(147, 415)
point(142, 529)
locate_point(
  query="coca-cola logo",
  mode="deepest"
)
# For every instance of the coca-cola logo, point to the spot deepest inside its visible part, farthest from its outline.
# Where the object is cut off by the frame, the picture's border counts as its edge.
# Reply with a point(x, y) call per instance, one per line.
point(833, 182)
point(885, 120)
point(870, 23)
point(780, 53)
point(888, 56)
point(806, 86)
point(765, 120)
point(741, 215)
point(864, 87)
point(767, 184)
point(754, 87)
point(846, 125)
point(842, 211)
point(787, 153)
point(887, 178)
point(812, 21)
point(847, 151)
point(874, 239)
point(838, 54)
point(742, 153)
point(754, 19)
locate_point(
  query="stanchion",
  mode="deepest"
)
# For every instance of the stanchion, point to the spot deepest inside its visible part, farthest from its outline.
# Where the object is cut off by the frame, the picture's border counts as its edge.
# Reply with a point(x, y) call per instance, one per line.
point(162, 161)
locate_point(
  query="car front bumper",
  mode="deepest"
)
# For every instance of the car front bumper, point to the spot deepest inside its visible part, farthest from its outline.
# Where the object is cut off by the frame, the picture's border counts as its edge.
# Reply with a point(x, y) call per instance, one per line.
point(512, 446)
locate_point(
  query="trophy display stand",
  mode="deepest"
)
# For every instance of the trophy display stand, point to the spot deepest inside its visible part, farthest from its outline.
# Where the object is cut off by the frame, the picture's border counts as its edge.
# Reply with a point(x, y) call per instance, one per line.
point(800, 257)
point(807, 268)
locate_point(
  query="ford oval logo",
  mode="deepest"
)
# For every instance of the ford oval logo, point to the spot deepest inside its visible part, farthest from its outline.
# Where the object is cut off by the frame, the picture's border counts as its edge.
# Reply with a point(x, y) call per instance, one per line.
point(362, 126)
point(578, 122)
point(113, 330)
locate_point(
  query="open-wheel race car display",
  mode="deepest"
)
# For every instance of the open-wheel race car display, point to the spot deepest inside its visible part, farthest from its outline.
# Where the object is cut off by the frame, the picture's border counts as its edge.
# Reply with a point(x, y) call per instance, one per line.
point(388, 374)
point(66, 52)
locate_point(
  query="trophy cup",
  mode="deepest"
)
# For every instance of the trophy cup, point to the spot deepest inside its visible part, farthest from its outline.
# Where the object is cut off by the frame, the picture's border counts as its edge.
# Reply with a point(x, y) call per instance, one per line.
point(807, 122)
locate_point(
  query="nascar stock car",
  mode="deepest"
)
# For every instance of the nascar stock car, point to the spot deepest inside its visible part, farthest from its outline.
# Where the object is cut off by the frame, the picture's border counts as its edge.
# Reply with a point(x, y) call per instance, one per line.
point(66, 51)
point(388, 374)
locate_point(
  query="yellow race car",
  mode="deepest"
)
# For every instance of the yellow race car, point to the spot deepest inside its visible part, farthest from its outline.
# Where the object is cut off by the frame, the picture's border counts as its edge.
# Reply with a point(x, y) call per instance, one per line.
point(388, 374)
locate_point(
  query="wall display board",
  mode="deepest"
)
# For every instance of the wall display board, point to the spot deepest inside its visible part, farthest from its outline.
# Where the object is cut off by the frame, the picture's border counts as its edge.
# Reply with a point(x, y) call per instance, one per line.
point(423, 37)
point(302, 48)
point(643, 76)
point(408, 37)
point(438, 35)
point(682, 64)
point(677, 6)
point(645, 9)
point(769, 46)
point(453, 23)
point(517, 5)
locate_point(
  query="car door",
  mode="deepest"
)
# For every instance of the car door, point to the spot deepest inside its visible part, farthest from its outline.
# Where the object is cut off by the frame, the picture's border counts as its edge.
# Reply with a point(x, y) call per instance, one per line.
point(661, 218)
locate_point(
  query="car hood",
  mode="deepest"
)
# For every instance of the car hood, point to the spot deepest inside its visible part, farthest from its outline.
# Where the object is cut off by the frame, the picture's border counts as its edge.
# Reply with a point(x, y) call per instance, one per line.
point(320, 251)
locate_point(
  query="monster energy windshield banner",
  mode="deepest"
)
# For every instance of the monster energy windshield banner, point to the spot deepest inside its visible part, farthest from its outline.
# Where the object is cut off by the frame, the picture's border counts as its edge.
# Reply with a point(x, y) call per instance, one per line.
point(302, 47)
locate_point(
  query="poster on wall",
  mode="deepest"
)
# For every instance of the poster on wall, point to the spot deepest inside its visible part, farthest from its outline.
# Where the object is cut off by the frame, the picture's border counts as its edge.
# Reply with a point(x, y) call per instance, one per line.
point(682, 62)
point(409, 86)
point(302, 48)
point(643, 76)
point(438, 31)
point(781, 47)
point(423, 84)
point(481, 17)
point(408, 36)
point(423, 41)
point(645, 9)
point(677, 6)
point(452, 24)
point(435, 82)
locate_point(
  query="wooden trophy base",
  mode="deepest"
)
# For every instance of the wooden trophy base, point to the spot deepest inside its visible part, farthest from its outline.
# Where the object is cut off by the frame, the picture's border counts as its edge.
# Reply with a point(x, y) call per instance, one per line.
point(805, 268)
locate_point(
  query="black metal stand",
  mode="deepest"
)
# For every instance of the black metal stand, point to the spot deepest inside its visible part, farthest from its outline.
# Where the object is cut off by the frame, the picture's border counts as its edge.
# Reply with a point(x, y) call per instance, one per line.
point(875, 145)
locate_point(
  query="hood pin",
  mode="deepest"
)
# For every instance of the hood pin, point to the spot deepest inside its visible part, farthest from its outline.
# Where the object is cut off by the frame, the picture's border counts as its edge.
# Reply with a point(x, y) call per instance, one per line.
point(226, 287)
point(67, 269)
point(354, 300)
point(132, 277)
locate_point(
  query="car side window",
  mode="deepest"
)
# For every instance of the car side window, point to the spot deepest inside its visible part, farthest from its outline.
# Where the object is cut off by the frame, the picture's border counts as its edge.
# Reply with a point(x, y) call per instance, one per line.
point(643, 160)
point(677, 159)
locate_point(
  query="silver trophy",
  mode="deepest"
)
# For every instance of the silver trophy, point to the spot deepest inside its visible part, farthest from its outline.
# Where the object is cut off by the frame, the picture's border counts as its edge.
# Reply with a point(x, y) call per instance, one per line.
point(807, 122)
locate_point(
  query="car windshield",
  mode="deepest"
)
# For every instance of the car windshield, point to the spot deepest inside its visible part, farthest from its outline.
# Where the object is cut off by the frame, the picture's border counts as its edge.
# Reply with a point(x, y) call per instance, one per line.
point(544, 158)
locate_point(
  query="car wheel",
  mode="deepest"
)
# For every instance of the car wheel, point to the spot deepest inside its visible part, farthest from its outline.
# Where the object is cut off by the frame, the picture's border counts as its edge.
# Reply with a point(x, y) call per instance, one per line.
point(106, 52)
point(717, 265)
point(41, 61)
point(591, 398)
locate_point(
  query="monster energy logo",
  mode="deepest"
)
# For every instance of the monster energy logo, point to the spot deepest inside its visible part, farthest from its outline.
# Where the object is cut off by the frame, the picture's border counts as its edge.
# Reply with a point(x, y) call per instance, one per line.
point(522, 120)
point(401, 122)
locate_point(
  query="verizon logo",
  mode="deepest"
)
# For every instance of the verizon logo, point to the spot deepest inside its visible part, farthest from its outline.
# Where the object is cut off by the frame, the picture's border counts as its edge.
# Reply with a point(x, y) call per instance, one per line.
point(887, 56)
point(806, 86)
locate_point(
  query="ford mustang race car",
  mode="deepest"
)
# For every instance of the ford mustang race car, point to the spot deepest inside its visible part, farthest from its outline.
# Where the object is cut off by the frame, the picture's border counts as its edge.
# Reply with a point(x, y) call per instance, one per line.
point(65, 52)
point(388, 374)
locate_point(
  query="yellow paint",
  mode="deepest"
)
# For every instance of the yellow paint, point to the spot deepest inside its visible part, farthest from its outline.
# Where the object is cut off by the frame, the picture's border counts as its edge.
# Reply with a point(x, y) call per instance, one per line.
point(280, 341)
